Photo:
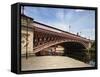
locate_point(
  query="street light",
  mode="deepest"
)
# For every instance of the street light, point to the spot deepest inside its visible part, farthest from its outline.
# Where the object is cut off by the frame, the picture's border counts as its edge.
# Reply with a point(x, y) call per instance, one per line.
point(69, 28)
point(26, 33)
point(22, 10)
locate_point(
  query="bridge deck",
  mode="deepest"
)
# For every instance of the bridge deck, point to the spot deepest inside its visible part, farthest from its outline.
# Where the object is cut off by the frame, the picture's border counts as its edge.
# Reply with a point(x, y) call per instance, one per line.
point(50, 62)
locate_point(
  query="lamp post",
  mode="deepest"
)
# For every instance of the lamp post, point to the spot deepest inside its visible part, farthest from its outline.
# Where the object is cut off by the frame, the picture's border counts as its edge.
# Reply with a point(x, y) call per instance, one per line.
point(27, 41)
point(69, 28)
point(22, 10)
point(26, 46)
point(80, 33)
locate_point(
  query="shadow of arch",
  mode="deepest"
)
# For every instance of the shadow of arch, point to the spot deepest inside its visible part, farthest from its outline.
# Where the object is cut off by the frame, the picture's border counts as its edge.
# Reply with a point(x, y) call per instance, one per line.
point(75, 50)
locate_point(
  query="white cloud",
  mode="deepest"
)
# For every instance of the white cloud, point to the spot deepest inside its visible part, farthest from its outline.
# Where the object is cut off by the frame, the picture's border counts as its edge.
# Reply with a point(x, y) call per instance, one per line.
point(60, 15)
point(79, 10)
point(61, 26)
point(88, 33)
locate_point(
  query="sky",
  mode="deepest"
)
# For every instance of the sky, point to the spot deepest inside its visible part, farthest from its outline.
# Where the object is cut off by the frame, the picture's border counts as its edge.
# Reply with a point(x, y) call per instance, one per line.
point(70, 20)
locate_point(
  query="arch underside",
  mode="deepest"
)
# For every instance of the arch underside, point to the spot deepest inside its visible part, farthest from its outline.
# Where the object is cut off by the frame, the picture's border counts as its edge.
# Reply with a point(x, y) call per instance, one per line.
point(73, 49)
point(46, 45)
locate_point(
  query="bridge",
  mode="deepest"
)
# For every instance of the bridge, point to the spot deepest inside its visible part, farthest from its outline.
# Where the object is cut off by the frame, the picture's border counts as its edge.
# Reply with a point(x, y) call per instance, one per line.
point(37, 36)
point(60, 49)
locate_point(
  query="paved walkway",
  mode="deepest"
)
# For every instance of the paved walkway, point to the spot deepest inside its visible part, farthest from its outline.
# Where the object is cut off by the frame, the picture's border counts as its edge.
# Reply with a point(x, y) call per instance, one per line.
point(50, 62)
